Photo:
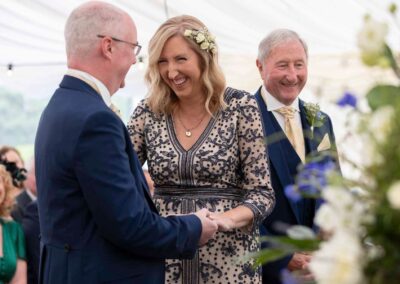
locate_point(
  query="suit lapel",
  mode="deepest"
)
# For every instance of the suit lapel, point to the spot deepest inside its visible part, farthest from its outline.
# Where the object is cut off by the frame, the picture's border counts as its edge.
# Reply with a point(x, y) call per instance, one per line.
point(276, 149)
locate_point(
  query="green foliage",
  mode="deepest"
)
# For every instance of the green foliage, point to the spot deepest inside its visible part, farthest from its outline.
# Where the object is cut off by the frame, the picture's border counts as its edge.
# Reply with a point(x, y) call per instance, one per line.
point(283, 246)
point(382, 95)
point(384, 233)
point(20, 117)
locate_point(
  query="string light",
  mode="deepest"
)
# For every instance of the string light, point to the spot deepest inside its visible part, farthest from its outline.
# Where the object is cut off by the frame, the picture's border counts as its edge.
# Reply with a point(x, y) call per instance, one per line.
point(10, 68)
point(140, 62)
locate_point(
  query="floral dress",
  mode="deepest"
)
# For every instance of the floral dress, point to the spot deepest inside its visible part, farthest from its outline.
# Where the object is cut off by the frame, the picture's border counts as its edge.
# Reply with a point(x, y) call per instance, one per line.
point(225, 168)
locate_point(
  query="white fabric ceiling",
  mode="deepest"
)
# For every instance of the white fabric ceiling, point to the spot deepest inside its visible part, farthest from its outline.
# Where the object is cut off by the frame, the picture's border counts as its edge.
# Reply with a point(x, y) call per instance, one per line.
point(31, 39)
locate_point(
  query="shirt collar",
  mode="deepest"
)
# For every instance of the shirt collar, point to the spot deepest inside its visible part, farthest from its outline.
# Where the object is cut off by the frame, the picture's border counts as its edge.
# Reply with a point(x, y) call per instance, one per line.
point(31, 195)
point(104, 93)
point(273, 104)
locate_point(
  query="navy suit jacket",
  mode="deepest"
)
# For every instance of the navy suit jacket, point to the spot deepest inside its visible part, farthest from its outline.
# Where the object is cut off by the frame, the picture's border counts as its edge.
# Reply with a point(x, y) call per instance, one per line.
point(98, 222)
point(284, 163)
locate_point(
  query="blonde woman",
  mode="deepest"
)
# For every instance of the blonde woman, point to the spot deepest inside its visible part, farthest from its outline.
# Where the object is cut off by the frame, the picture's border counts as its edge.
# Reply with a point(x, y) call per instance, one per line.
point(12, 242)
point(204, 147)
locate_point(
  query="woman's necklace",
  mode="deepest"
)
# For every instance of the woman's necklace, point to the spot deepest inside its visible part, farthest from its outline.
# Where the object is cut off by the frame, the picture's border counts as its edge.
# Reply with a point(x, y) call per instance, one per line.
point(188, 131)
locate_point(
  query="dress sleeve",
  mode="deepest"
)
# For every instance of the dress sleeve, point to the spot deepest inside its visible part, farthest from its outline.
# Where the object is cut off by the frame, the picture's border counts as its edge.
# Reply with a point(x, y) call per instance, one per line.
point(260, 198)
point(136, 130)
point(19, 241)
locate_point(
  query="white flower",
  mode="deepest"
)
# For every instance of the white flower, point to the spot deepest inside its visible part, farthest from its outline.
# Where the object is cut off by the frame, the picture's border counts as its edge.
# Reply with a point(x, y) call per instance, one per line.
point(343, 211)
point(200, 37)
point(187, 33)
point(371, 38)
point(339, 260)
point(327, 218)
point(339, 197)
point(380, 122)
point(204, 45)
point(393, 195)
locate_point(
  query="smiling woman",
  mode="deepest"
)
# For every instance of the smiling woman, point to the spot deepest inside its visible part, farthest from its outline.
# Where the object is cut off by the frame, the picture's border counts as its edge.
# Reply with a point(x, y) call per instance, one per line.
point(204, 147)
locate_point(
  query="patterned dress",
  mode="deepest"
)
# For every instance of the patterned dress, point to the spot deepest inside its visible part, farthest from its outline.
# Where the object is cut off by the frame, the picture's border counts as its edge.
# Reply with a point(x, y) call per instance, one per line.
point(225, 168)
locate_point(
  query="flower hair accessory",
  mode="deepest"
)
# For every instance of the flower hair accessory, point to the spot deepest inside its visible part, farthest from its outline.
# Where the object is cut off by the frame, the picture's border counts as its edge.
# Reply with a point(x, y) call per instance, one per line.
point(203, 38)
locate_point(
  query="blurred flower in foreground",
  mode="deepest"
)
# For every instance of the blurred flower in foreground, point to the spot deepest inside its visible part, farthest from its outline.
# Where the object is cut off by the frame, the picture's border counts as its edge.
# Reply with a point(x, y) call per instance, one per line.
point(348, 99)
point(339, 260)
point(371, 41)
point(393, 195)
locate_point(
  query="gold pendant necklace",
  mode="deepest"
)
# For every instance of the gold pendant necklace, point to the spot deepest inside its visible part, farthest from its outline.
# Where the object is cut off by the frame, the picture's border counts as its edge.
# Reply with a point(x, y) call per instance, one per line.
point(188, 131)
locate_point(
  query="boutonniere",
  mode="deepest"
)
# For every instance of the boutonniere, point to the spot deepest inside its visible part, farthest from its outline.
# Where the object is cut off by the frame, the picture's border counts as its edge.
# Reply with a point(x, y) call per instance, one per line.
point(314, 116)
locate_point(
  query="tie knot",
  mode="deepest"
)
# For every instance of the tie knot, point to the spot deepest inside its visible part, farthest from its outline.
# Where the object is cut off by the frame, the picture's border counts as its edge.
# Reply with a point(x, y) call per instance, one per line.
point(287, 111)
point(115, 109)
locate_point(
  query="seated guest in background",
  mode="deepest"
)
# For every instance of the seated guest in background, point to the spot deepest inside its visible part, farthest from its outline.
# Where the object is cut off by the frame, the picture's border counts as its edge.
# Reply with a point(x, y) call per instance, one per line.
point(31, 228)
point(12, 243)
point(26, 196)
point(12, 155)
point(204, 147)
point(25, 212)
point(282, 62)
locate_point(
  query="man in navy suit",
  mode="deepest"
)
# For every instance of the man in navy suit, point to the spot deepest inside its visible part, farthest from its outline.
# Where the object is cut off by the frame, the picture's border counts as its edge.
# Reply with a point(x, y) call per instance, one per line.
point(282, 63)
point(98, 223)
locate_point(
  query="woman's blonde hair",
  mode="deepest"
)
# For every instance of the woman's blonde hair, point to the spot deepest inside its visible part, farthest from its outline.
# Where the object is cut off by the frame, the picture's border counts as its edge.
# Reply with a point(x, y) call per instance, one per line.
point(161, 98)
point(9, 192)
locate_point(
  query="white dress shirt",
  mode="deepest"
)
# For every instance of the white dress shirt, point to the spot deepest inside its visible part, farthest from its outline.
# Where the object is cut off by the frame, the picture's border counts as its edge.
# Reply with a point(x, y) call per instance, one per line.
point(101, 88)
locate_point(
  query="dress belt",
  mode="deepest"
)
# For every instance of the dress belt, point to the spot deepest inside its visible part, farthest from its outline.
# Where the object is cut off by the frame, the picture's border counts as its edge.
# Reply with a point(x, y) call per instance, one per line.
point(199, 192)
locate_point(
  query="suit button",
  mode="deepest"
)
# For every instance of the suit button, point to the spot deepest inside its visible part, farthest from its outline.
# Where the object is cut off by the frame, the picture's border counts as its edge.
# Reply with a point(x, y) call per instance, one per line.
point(67, 247)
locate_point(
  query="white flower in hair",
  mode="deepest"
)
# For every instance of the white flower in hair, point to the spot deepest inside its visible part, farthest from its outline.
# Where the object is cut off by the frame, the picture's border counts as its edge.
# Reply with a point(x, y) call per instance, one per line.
point(204, 45)
point(200, 38)
point(203, 38)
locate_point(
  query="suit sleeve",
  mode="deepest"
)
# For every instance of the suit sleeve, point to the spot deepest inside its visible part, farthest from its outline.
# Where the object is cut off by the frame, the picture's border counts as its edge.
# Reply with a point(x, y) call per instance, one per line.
point(117, 200)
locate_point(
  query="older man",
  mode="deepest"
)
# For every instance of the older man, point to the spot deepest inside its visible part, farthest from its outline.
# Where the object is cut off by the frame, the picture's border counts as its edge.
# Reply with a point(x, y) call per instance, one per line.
point(98, 223)
point(282, 63)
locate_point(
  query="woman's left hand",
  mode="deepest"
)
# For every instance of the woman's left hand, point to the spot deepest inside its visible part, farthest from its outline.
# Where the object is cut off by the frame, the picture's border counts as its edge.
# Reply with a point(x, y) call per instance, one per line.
point(224, 223)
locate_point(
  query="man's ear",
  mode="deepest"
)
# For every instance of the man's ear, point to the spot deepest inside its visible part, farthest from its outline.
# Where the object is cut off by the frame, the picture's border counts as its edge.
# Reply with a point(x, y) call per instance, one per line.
point(106, 47)
point(259, 65)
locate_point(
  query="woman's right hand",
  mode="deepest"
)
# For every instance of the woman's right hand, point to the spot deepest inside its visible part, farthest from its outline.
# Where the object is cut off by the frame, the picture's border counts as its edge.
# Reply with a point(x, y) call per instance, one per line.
point(224, 223)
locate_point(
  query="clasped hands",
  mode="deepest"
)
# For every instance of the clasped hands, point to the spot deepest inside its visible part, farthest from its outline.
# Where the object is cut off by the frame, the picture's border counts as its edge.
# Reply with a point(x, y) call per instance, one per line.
point(211, 223)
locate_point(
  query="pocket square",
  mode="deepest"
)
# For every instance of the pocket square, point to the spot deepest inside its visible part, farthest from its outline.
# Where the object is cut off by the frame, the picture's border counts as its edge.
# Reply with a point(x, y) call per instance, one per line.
point(325, 143)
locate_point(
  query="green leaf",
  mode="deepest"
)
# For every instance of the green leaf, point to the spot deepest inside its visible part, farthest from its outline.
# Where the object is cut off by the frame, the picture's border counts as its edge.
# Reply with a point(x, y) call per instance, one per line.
point(382, 95)
point(268, 255)
point(293, 245)
point(299, 232)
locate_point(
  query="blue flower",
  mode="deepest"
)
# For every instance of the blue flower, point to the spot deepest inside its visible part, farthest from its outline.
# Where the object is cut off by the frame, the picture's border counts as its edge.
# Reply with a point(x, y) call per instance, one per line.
point(348, 99)
point(292, 193)
point(310, 180)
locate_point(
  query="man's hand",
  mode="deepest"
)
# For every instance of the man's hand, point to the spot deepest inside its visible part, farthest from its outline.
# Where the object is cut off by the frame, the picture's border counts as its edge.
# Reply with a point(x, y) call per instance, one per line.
point(209, 227)
point(299, 262)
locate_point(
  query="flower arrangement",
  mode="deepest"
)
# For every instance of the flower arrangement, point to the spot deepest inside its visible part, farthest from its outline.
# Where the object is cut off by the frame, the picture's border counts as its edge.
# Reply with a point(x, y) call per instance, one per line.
point(203, 38)
point(359, 221)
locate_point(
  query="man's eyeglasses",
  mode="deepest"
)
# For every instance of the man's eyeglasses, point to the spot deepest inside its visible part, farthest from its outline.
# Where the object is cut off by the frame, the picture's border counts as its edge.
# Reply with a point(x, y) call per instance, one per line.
point(135, 46)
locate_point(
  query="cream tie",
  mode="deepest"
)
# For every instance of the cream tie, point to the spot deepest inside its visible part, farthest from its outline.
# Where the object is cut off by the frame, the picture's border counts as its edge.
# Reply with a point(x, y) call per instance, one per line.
point(115, 110)
point(293, 131)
